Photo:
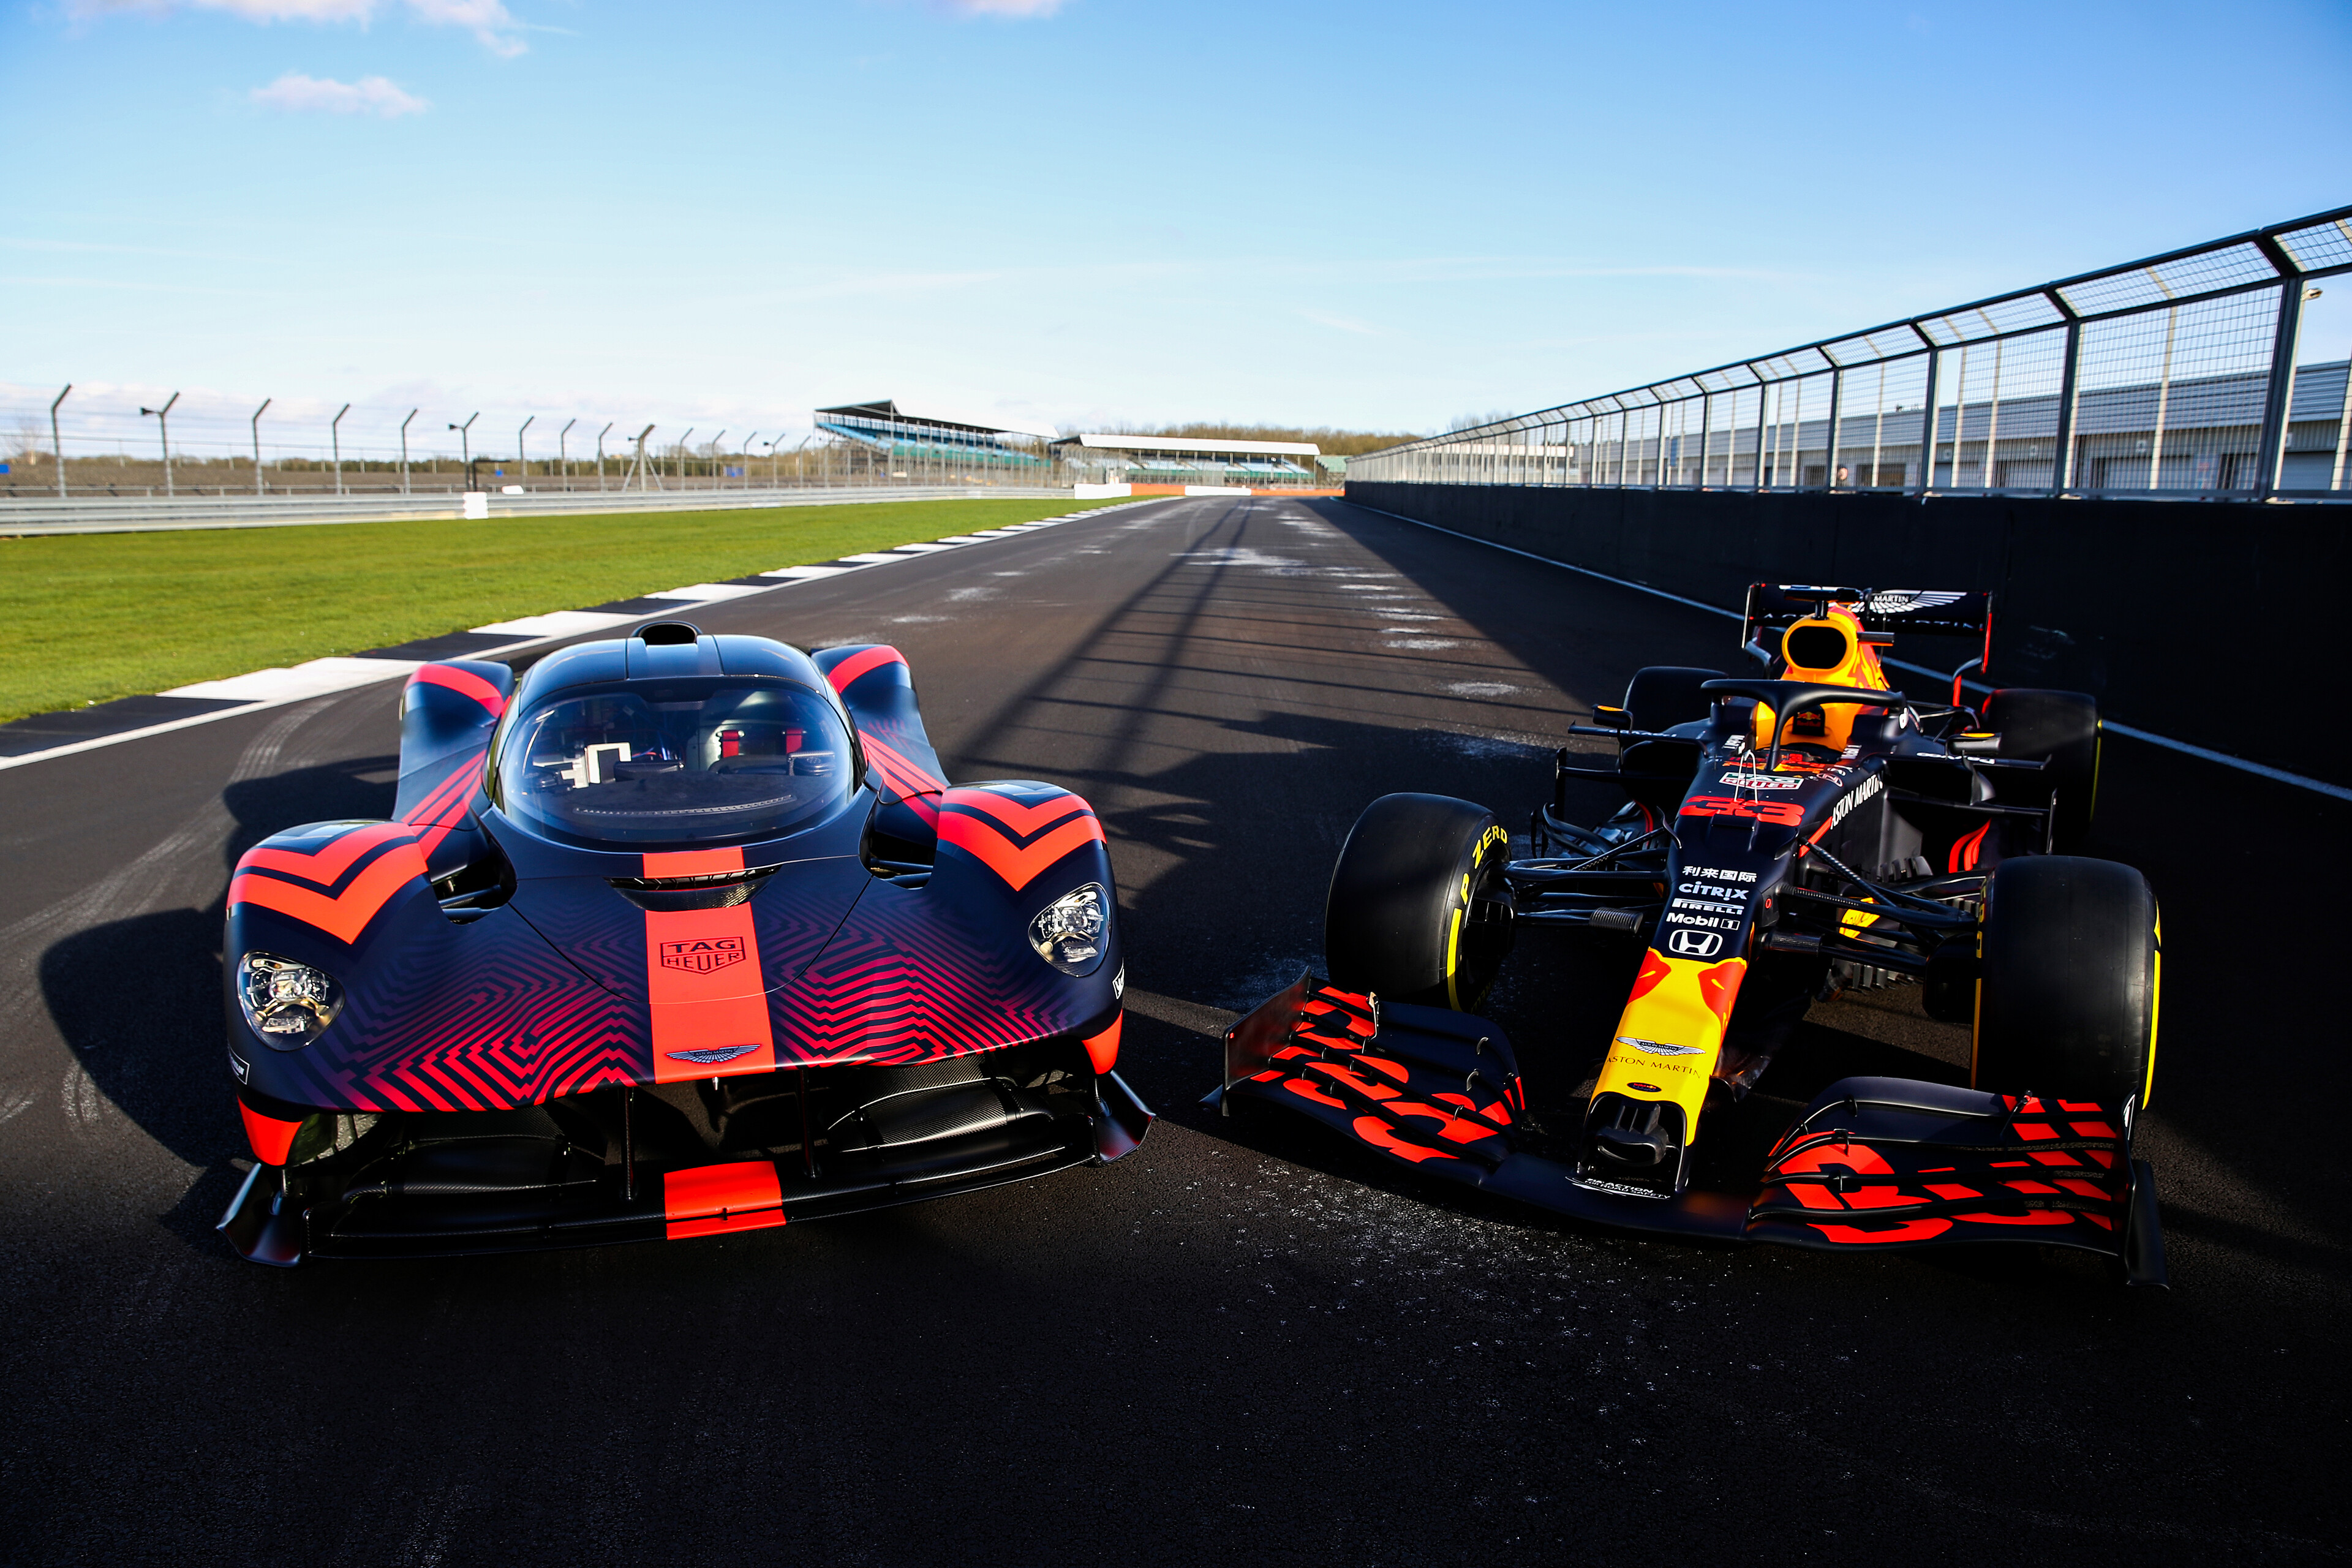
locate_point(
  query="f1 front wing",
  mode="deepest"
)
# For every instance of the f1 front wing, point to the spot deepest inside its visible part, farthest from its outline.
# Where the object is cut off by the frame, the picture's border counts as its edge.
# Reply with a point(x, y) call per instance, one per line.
point(1873, 1162)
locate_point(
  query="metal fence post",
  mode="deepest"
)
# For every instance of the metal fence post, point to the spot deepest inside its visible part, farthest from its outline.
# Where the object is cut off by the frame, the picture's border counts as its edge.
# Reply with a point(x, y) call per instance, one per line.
point(403, 449)
point(1763, 412)
point(2061, 461)
point(164, 425)
point(57, 443)
point(335, 435)
point(2278, 397)
point(259, 488)
point(1829, 439)
point(1927, 430)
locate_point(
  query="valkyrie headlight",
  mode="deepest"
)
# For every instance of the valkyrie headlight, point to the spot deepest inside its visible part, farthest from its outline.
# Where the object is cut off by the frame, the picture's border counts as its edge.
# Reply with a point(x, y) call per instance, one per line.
point(1068, 932)
point(289, 1004)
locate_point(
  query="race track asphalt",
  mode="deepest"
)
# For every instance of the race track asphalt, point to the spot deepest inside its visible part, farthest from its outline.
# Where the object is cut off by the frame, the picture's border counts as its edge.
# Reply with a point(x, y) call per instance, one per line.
point(1243, 1344)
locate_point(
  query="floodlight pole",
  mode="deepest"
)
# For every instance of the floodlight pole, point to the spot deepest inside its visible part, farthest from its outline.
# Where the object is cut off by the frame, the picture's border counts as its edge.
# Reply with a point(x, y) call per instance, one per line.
point(403, 449)
point(56, 445)
point(258, 486)
point(163, 423)
point(465, 446)
point(600, 455)
point(563, 452)
point(335, 433)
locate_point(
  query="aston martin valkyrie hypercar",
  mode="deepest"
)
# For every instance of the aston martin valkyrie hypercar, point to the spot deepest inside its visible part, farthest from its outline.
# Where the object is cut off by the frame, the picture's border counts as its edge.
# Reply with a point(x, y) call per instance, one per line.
point(685, 935)
point(1784, 837)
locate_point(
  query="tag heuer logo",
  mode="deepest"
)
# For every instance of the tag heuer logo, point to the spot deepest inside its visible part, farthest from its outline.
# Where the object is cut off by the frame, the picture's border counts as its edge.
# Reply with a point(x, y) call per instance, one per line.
point(703, 955)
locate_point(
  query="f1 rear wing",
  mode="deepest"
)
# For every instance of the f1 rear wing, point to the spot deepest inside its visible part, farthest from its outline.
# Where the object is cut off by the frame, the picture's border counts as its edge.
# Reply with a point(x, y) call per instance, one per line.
point(1773, 607)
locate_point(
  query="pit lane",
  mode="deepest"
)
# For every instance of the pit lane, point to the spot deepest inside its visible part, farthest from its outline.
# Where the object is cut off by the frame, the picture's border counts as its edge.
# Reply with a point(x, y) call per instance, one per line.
point(1241, 1341)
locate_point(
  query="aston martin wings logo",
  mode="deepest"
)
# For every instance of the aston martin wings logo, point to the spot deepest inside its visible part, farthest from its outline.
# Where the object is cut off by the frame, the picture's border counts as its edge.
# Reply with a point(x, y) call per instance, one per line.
point(1903, 601)
point(1658, 1048)
point(714, 1055)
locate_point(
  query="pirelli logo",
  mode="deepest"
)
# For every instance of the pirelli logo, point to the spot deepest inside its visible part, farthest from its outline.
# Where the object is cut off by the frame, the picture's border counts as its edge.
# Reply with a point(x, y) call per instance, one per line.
point(702, 955)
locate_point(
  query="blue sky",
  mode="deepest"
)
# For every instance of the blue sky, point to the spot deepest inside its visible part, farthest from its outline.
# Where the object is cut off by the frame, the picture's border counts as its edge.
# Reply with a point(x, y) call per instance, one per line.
point(1374, 214)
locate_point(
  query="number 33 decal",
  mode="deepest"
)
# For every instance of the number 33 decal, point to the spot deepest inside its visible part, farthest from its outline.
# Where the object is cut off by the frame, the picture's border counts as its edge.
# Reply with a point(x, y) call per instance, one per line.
point(1785, 811)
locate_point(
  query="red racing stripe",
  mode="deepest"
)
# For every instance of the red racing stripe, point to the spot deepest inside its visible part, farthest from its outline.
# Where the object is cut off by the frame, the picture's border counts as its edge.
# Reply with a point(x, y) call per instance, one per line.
point(464, 681)
point(329, 864)
point(342, 916)
point(708, 996)
point(1023, 820)
point(846, 672)
point(1103, 1049)
point(711, 1199)
point(270, 1138)
point(693, 862)
point(1017, 865)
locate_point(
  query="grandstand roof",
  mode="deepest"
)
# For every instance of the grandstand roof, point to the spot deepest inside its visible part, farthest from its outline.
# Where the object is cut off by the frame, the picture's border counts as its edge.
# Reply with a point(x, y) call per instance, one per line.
point(889, 408)
point(1203, 444)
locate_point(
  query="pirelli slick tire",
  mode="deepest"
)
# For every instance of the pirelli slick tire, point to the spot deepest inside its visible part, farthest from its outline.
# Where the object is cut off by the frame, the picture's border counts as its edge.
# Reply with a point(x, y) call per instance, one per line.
point(2068, 982)
point(2059, 730)
point(1417, 910)
point(1664, 695)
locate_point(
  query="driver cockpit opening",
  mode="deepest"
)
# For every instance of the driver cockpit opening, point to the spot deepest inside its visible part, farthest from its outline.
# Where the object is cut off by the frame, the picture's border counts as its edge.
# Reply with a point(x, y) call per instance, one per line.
point(678, 761)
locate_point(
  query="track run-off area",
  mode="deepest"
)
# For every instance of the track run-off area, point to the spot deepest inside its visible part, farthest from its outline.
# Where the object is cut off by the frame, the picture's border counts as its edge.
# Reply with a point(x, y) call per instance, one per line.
point(1246, 1340)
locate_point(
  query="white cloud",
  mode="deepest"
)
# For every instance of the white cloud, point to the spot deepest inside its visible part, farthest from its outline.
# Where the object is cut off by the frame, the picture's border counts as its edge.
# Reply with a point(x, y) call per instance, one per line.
point(488, 20)
point(1340, 323)
point(1003, 7)
point(369, 95)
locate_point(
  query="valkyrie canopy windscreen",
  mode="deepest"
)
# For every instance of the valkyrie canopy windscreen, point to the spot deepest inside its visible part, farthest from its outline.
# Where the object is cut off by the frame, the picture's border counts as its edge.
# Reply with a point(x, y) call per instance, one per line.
point(685, 762)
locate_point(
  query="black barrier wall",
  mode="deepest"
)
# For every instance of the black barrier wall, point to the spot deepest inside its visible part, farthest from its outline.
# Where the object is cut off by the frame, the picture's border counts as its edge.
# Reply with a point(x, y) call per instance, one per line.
point(2210, 622)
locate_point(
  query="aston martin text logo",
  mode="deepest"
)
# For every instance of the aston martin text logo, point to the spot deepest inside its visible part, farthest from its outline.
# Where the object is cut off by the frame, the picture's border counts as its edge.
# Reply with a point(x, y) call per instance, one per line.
point(703, 955)
point(1903, 601)
point(1658, 1048)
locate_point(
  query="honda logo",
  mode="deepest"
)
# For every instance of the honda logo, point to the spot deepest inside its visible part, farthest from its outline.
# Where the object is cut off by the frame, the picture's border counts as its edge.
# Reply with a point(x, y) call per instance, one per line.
point(1695, 943)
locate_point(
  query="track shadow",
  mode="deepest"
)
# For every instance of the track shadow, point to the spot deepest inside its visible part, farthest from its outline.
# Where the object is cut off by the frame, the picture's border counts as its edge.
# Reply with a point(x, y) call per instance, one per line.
point(139, 1001)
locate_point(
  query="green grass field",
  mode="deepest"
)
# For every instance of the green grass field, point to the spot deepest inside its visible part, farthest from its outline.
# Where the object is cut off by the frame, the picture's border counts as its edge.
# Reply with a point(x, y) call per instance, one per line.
point(112, 615)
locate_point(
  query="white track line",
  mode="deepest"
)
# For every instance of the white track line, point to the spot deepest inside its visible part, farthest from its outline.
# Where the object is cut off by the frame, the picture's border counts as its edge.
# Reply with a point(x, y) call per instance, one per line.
point(709, 593)
point(322, 677)
point(315, 678)
point(2260, 770)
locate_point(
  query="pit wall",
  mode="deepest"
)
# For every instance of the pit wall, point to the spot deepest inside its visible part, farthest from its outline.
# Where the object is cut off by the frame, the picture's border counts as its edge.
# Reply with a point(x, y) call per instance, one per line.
point(2202, 621)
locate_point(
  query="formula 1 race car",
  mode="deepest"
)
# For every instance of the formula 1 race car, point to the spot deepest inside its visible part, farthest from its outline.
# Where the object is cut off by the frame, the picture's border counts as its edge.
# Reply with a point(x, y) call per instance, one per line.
point(686, 935)
point(1784, 837)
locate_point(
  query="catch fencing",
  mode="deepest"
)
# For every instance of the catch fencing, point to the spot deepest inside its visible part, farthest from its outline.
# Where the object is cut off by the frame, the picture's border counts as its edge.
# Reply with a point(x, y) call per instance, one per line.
point(87, 442)
point(21, 518)
point(2212, 373)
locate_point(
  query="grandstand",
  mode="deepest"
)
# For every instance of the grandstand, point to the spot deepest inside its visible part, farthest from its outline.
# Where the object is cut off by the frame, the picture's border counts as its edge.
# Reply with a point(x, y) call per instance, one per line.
point(879, 433)
point(1188, 460)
